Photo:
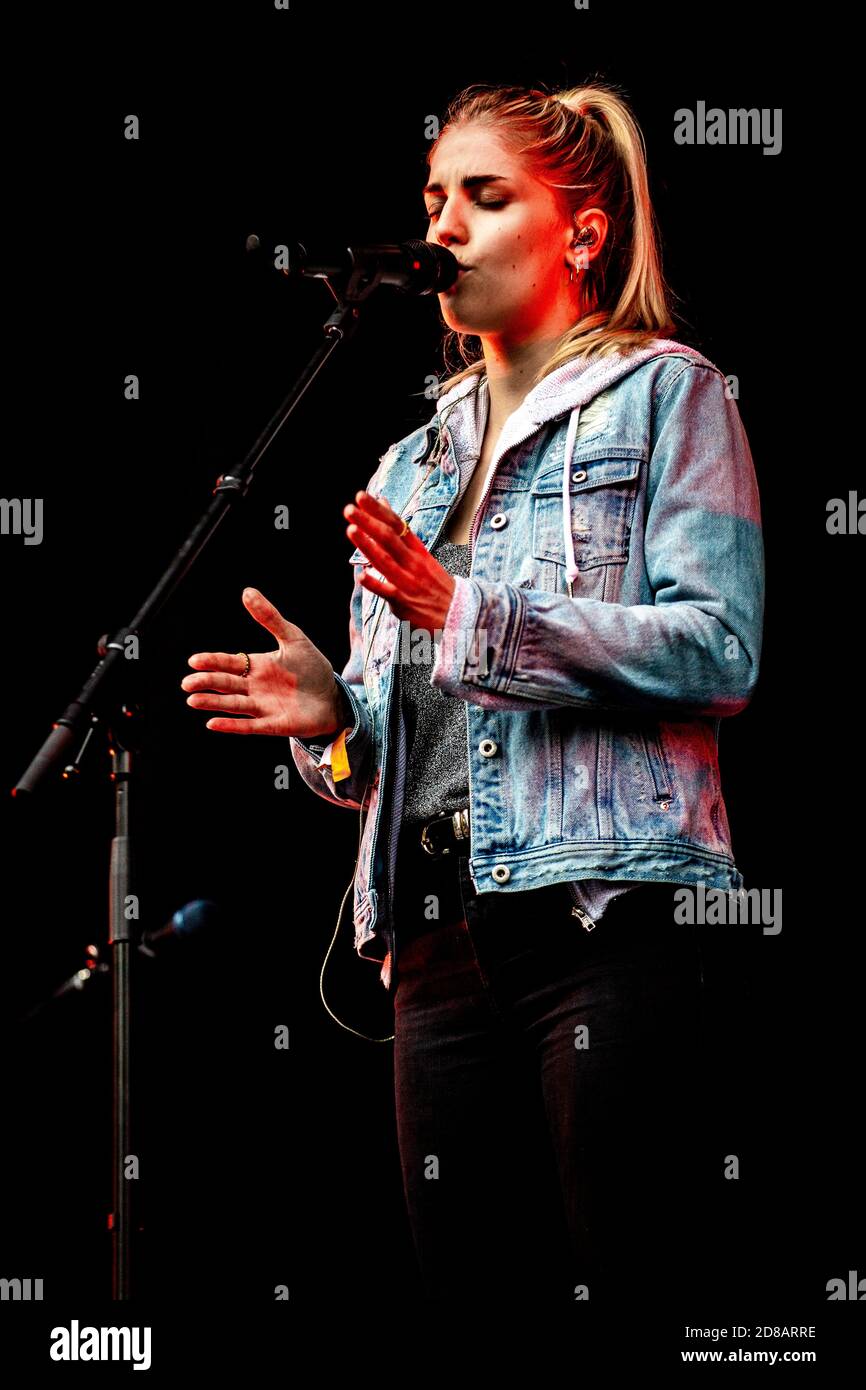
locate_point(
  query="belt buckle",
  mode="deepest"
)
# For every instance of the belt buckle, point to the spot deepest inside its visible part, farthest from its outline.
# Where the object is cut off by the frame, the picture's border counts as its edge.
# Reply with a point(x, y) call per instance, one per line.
point(427, 844)
point(459, 822)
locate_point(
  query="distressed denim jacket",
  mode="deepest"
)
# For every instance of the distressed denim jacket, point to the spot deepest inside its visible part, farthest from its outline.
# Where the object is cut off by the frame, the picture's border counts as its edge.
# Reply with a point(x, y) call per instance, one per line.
point(612, 617)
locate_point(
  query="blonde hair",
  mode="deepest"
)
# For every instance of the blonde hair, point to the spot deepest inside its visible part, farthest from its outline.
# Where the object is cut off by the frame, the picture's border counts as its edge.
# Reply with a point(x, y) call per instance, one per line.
point(585, 142)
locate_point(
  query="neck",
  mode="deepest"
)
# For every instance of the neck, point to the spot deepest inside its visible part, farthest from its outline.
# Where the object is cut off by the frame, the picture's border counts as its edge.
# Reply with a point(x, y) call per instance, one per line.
point(511, 374)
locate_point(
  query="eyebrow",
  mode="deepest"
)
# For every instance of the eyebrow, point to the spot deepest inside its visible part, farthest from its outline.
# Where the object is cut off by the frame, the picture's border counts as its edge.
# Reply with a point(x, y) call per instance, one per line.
point(468, 181)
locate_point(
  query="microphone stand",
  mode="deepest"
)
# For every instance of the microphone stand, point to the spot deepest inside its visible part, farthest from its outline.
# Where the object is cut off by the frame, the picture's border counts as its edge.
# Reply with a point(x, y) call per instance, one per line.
point(104, 686)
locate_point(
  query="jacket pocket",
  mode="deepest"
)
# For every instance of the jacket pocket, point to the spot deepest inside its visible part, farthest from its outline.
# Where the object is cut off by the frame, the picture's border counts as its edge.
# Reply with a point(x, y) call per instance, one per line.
point(657, 764)
point(602, 497)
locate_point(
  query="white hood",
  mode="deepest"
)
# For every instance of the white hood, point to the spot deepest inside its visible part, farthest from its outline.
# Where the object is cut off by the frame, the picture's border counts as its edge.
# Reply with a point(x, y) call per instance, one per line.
point(566, 390)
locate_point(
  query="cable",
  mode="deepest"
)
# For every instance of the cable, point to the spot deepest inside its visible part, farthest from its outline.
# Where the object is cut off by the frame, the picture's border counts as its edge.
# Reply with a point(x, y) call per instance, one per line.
point(434, 459)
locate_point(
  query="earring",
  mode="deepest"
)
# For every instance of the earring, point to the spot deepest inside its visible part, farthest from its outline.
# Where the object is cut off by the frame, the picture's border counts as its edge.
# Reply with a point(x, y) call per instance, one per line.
point(581, 264)
point(586, 238)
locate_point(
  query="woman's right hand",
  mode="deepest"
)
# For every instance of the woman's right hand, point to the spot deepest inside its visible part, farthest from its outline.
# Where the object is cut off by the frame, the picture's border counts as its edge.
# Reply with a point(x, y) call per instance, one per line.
point(290, 690)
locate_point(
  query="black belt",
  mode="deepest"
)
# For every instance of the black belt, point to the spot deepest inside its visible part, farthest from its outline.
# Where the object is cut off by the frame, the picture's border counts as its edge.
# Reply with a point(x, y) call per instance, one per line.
point(447, 833)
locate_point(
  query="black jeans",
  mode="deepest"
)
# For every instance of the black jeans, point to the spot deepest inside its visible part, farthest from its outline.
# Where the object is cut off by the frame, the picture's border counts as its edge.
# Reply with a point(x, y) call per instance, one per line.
point(546, 1085)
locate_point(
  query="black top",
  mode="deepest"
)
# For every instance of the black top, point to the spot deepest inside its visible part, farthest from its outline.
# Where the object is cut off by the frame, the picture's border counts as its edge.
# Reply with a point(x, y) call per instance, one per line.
point(437, 775)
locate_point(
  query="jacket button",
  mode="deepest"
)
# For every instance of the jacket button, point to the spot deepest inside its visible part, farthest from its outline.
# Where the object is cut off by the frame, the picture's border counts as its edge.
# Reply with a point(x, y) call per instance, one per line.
point(498, 521)
point(579, 476)
point(487, 748)
point(501, 873)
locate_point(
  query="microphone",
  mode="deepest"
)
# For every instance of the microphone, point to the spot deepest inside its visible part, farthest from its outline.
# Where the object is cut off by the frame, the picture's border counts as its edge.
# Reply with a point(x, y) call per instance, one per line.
point(188, 920)
point(416, 267)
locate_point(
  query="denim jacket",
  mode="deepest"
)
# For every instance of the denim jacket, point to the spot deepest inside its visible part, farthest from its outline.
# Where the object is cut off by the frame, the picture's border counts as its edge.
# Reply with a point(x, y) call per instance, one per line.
point(612, 617)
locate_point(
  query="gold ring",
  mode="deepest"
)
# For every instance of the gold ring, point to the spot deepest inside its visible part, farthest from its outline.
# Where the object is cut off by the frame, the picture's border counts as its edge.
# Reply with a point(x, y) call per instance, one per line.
point(245, 655)
point(405, 528)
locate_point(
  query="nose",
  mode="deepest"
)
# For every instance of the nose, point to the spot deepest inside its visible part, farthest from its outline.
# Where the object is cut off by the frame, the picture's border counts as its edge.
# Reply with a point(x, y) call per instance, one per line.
point(451, 242)
point(448, 229)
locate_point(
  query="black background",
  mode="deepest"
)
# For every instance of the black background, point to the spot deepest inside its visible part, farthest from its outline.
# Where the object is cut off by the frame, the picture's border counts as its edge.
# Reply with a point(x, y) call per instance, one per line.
point(262, 1167)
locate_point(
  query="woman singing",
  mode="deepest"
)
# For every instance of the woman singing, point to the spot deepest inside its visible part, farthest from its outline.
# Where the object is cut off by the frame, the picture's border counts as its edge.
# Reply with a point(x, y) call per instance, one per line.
point(558, 596)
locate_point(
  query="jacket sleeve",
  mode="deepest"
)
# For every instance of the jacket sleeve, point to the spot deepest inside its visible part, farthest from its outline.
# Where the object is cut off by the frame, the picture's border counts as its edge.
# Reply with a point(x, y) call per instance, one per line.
point(311, 756)
point(694, 650)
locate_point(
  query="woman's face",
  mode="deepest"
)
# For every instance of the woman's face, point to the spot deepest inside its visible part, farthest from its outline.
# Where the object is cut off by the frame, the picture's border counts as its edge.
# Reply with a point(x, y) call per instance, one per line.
point(493, 215)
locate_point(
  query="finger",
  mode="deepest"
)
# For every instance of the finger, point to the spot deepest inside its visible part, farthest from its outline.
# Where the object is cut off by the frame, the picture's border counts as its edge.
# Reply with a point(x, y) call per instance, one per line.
point(230, 662)
point(233, 726)
point(366, 512)
point(378, 507)
point(270, 617)
point(215, 700)
point(216, 680)
point(389, 591)
point(369, 510)
point(383, 557)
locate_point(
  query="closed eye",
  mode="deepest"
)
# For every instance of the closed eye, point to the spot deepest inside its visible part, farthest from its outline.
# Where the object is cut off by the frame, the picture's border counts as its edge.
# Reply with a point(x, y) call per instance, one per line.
point(488, 203)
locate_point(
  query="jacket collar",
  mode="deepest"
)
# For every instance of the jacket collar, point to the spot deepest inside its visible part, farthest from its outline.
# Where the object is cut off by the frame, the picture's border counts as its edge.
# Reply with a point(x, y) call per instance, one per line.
point(574, 383)
point(563, 391)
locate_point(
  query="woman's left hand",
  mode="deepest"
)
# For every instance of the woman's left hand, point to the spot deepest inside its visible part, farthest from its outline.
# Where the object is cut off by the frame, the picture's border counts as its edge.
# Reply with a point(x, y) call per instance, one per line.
point(416, 586)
